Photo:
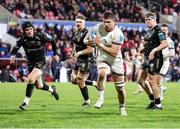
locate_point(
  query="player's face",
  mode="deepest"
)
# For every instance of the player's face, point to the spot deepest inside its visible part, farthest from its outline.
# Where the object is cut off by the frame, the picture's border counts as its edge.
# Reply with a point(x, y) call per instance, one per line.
point(165, 30)
point(29, 31)
point(80, 24)
point(150, 22)
point(109, 24)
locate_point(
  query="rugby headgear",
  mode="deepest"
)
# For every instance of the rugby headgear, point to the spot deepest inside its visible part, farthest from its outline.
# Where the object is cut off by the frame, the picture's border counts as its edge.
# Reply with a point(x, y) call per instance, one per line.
point(151, 15)
point(26, 25)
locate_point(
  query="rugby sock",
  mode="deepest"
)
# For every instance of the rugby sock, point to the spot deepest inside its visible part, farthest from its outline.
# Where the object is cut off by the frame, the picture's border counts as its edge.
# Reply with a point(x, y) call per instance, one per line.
point(95, 83)
point(84, 92)
point(101, 94)
point(46, 87)
point(151, 97)
point(161, 92)
point(89, 82)
point(122, 105)
point(158, 102)
point(29, 90)
point(26, 100)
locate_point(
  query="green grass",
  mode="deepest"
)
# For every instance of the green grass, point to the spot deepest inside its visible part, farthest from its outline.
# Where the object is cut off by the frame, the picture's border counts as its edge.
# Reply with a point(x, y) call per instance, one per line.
point(45, 112)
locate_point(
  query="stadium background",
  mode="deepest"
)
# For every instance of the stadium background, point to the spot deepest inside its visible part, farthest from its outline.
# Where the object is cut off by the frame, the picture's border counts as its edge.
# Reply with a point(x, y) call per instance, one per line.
point(44, 111)
point(56, 18)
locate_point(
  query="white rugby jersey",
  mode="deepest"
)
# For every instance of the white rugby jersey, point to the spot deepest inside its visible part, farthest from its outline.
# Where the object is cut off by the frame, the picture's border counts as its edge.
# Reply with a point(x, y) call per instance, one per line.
point(170, 50)
point(108, 38)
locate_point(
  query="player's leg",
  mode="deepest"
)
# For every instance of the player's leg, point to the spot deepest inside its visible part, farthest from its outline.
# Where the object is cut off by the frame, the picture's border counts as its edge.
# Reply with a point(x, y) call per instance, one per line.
point(142, 80)
point(74, 76)
point(119, 84)
point(33, 76)
point(139, 87)
point(91, 83)
point(153, 80)
point(153, 74)
point(117, 69)
point(163, 71)
point(81, 77)
point(43, 86)
point(103, 71)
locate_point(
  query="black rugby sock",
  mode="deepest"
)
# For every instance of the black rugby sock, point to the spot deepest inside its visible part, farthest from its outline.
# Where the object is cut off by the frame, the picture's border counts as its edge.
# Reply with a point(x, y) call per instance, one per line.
point(157, 101)
point(89, 82)
point(29, 90)
point(151, 97)
point(45, 86)
point(84, 92)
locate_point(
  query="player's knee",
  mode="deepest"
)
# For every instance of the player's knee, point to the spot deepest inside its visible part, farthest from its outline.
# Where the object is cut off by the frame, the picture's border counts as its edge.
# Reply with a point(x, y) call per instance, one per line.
point(140, 82)
point(39, 86)
point(73, 79)
point(119, 85)
point(80, 81)
point(102, 75)
point(31, 80)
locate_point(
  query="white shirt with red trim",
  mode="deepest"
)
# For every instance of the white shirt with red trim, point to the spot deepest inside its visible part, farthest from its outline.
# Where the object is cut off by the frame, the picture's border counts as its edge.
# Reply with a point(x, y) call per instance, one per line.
point(108, 38)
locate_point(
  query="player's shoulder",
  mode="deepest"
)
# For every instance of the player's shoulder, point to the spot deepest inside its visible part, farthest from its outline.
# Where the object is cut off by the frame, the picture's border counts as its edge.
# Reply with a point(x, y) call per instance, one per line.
point(85, 30)
point(21, 38)
point(169, 40)
point(117, 30)
point(158, 29)
point(98, 26)
point(43, 35)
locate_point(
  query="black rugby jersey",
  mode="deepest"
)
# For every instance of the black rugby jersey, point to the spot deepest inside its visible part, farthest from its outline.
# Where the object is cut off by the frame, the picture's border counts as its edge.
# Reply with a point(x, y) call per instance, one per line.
point(78, 41)
point(34, 47)
point(152, 40)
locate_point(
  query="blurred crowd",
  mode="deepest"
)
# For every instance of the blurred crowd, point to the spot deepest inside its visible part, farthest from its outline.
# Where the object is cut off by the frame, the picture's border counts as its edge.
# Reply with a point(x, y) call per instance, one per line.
point(125, 10)
point(167, 7)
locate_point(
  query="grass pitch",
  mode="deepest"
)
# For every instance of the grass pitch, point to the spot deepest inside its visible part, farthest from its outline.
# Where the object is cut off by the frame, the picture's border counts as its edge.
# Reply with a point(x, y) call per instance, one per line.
point(45, 112)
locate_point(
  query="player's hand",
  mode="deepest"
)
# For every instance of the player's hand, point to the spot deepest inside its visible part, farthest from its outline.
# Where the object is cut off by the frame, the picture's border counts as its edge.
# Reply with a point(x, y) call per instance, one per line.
point(12, 59)
point(72, 60)
point(56, 58)
point(151, 55)
point(97, 40)
point(91, 43)
point(77, 55)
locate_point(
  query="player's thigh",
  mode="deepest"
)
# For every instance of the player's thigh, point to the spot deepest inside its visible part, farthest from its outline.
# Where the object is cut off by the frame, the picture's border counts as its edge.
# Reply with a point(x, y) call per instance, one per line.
point(165, 67)
point(153, 79)
point(39, 82)
point(34, 75)
point(82, 75)
point(142, 76)
point(103, 70)
point(155, 65)
point(117, 67)
point(74, 73)
point(81, 78)
point(74, 76)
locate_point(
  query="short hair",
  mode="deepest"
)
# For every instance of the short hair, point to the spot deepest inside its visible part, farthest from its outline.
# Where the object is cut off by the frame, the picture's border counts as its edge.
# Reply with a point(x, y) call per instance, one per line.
point(165, 25)
point(151, 15)
point(80, 16)
point(109, 15)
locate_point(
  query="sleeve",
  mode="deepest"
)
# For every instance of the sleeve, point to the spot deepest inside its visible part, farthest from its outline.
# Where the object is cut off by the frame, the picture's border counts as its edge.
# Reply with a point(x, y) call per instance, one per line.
point(49, 38)
point(16, 47)
point(90, 35)
point(118, 38)
point(161, 35)
point(93, 32)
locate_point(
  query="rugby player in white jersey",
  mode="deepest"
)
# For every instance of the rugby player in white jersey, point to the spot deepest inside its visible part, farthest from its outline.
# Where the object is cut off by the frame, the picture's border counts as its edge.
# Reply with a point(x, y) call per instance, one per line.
point(108, 38)
point(167, 53)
